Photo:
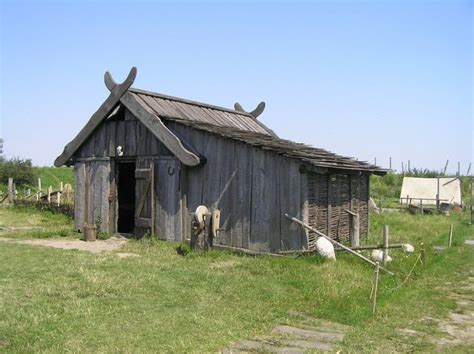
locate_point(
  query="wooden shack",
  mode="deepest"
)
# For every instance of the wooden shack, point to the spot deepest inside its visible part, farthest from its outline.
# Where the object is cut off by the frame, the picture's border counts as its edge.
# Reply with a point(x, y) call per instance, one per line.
point(144, 162)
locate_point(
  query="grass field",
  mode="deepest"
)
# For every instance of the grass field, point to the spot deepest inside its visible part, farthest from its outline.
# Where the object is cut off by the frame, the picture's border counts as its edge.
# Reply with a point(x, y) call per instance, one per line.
point(55, 300)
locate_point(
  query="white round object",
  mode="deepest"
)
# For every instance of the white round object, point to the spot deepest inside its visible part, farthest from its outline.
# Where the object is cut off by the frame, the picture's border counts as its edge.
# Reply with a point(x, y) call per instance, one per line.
point(200, 212)
point(408, 248)
point(325, 248)
point(377, 255)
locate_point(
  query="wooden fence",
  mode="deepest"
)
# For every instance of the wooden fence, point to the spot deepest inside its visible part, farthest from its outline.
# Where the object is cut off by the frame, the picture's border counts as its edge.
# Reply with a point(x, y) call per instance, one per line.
point(59, 199)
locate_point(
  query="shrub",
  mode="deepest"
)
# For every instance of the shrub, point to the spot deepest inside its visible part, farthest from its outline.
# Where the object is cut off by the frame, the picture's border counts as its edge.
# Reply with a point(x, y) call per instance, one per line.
point(21, 170)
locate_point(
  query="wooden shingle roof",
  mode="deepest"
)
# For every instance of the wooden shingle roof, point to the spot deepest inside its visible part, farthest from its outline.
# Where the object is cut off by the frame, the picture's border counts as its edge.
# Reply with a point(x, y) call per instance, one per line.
point(243, 127)
point(314, 156)
point(183, 109)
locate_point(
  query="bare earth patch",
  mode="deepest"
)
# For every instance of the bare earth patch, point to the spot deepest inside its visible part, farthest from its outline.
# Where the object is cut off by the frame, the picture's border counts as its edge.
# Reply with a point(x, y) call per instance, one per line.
point(112, 244)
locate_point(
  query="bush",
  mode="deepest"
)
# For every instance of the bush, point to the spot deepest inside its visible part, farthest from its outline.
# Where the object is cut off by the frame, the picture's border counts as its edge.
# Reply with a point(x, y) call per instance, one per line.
point(21, 170)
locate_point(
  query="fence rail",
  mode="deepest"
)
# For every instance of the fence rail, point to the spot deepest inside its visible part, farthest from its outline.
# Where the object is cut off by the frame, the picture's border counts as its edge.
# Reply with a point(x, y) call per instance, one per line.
point(60, 200)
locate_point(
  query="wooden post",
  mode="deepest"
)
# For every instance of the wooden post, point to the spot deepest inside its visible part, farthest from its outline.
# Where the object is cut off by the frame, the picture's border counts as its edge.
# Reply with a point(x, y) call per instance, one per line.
point(50, 189)
point(375, 286)
point(459, 169)
point(354, 225)
point(306, 226)
point(421, 206)
point(152, 201)
point(375, 161)
point(409, 169)
point(58, 197)
point(403, 169)
point(437, 191)
point(468, 169)
point(385, 244)
point(10, 190)
point(61, 186)
point(450, 235)
point(445, 167)
point(200, 234)
point(390, 163)
point(407, 200)
point(39, 187)
point(422, 254)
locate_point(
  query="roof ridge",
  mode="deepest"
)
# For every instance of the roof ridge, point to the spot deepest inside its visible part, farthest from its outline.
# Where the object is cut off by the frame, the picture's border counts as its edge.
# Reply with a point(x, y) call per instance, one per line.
point(185, 100)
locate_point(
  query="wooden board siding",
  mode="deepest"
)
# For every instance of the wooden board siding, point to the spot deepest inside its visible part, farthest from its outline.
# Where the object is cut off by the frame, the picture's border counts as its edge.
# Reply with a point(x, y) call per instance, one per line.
point(123, 130)
point(96, 203)
point(99, 194)
point(168, 195)
point(330, 195)
point(79, 195)
point(252, 187)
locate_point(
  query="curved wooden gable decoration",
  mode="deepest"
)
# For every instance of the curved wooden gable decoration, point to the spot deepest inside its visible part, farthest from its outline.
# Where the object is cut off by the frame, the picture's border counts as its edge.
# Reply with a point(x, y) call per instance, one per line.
point(119, 94)
point(255, 113)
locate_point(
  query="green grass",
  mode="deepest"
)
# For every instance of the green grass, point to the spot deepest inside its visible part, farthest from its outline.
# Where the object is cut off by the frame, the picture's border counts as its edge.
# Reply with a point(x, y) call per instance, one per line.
point(53, 176)
point(55, 300)
point(51, 224)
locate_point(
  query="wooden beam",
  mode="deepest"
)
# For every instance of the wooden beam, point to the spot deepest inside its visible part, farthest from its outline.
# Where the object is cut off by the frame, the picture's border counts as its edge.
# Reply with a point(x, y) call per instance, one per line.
point(319, 233)
point(157, 127)
point(255, 113)
point(104, 110)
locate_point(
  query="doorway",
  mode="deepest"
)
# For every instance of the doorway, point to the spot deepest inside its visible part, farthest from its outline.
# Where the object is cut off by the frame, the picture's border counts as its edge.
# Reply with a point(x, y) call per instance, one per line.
point(126, 197)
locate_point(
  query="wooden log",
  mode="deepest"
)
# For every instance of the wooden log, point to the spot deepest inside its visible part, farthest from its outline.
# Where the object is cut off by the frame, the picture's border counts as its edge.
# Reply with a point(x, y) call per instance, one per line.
point(250, 252)
point(375, 287)
point(11, 196)
point(354, 225)
point(299, 222)
point(450, 235)
point(50, 190)
point(422, 254)
point(359, 248)
point(90, 232)
point(385, 245)
point(38, 196)
point(200, 233)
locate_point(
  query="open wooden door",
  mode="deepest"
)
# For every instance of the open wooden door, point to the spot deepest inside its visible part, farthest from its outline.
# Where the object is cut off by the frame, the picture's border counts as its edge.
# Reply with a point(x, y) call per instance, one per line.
point(145, 198)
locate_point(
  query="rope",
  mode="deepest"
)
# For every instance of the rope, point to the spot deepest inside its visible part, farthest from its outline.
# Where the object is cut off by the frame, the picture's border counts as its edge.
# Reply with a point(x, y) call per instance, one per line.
point(409, 274)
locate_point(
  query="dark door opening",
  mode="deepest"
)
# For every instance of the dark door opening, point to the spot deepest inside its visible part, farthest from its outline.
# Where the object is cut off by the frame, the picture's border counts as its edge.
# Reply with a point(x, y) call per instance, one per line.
point(126, 197)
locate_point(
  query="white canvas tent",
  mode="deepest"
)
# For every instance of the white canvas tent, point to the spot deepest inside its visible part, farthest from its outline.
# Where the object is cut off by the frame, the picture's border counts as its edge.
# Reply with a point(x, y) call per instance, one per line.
point(425, 189)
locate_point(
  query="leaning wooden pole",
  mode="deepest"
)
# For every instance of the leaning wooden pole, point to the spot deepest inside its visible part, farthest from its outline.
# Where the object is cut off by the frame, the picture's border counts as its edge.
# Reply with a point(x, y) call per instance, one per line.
point(301, 223)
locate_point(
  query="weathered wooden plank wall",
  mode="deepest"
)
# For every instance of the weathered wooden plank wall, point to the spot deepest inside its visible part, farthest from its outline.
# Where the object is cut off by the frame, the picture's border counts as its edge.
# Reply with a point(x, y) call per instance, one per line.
point(122, 130)
point(168, 194)
point(96, 203)
point(79, 195)
point(252, 187)
point(99, 194)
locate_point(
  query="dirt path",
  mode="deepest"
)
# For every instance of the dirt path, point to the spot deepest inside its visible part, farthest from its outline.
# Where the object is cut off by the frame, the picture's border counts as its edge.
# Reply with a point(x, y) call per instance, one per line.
point(112, 244)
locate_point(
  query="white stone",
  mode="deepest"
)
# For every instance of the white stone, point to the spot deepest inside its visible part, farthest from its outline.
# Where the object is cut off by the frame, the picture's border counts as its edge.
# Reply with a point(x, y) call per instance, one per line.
point(325, 248)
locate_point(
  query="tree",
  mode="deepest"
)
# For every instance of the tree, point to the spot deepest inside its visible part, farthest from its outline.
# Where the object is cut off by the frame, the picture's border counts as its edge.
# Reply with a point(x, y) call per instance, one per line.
point(21, 170)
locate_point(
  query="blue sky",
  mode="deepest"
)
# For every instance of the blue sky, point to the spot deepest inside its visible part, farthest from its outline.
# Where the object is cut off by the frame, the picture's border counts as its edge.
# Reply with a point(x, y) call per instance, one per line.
point(360, 78)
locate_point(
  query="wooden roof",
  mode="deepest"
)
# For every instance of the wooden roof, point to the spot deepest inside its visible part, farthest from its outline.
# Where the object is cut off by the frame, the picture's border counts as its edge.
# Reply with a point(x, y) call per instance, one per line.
point(151, 108)
point(325, 160)
point(183, 109)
